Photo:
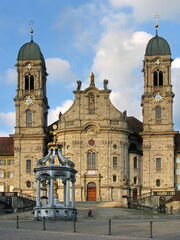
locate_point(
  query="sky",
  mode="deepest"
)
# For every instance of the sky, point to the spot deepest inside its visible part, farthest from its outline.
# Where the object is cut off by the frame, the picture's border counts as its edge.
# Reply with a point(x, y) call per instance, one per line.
point(77, 37)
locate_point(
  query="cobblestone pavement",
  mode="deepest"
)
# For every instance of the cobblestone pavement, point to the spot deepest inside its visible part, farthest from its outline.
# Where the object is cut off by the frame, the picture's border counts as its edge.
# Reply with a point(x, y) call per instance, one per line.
point(125, 224)
point(29, 235)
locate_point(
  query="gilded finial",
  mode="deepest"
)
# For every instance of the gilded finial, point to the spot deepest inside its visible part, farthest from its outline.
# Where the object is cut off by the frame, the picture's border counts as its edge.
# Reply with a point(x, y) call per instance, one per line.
point(156, 26)
point(92, 79)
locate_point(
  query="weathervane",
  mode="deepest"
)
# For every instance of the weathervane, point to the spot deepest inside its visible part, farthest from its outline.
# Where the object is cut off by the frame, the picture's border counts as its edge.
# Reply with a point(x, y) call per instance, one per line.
point(31, 23)
point(156, 16)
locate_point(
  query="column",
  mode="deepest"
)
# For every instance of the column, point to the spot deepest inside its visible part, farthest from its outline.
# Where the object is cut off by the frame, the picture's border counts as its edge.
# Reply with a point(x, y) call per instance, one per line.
point(51, 200)
point(49, 194)
point(64, 182)
point(38, 193)
point(67, 192)
point(73, 195)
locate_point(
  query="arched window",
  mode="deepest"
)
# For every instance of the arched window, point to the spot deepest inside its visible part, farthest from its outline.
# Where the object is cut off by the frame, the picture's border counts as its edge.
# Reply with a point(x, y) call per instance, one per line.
point(155, 79)
point(158, 113)
point(29, 82)
point(158, 78)
point(91, 160)
point(28, 118)
point(158, 182)
point(114, 178)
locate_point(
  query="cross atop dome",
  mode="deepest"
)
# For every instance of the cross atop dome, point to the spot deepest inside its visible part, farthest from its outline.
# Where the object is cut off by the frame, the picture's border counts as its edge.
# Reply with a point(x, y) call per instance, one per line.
point(31, 29)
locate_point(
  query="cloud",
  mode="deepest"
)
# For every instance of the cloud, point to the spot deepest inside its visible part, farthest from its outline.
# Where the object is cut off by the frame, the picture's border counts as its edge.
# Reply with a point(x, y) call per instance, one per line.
point(54, 113)
point(7, 119)
point(59, 70)
point(176, 86)
point(4, 134)
point(145, 10)
point(119, 56)
point(10, 76)
point(81, 24)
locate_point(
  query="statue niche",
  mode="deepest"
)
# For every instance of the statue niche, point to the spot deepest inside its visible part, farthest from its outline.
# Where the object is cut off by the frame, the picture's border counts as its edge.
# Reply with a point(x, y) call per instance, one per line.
point(91, 103)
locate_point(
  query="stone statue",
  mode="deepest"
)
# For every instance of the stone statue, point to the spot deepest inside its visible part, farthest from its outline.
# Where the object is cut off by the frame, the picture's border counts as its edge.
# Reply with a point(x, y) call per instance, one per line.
point(92, 79)
point(125, 180)
point(60, 115)
point(79, 85)
point(105, 84)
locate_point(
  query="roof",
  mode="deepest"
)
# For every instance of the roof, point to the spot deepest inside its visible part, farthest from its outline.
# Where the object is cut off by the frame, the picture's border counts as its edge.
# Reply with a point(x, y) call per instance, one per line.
point(6, 146)
point(176, 197)
point(134, 124)
point(30, 51)
point(157, 46)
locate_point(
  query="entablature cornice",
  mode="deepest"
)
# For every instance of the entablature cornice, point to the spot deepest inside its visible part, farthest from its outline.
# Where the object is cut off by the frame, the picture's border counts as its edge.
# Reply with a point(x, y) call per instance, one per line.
point(28, 136)
point(170, 133)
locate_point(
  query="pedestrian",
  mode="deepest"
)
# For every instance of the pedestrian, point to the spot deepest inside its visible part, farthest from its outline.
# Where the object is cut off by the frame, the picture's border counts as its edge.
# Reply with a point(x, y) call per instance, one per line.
point(90, 213)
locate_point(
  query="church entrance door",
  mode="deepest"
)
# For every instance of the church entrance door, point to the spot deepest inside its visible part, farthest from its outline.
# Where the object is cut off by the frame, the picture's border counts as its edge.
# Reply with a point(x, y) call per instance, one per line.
point(91, 191)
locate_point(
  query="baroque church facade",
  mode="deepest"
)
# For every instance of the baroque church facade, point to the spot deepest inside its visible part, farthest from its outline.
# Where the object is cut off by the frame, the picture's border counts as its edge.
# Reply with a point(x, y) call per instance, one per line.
point(116, 156)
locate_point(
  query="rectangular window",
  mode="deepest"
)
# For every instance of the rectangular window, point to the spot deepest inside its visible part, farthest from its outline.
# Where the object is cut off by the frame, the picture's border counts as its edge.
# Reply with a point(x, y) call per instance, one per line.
point(29, 118)
point(91, 160)
point(10, 174)
point(1, 162)
point(114, 162)
point(1, 174)
point(10, 162)
point(135, 162)
point(158, 163)
point(28, 166)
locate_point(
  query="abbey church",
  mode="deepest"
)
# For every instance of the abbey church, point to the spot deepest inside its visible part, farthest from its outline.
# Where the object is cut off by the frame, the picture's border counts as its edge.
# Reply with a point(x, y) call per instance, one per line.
point(116, 155)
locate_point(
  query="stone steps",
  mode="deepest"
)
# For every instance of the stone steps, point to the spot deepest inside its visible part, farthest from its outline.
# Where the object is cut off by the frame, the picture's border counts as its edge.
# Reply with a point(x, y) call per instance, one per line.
point(95, 204)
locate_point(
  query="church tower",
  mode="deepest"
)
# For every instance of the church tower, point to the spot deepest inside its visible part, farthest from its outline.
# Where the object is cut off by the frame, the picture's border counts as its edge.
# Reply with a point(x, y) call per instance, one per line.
point(31, 115)
point(157, 108)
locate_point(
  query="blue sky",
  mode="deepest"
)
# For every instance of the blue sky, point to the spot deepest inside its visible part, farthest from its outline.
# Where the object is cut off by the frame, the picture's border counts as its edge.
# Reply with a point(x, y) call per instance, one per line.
point(77, 37)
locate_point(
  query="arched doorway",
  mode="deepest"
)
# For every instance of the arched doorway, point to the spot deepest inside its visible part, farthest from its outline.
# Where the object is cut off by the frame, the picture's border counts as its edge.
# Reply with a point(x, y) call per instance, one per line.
point(91, 191)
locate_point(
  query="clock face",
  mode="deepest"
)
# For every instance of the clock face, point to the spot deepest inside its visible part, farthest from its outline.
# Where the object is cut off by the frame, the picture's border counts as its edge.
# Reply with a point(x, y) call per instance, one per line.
point(28, 100)
point(158, 97)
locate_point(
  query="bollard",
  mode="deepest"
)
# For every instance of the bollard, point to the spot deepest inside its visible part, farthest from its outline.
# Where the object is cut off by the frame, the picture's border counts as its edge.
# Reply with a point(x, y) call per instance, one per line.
point(151, 235)
point(74, 220)
point(44, 224)
point(109, 226)
point(17, 222)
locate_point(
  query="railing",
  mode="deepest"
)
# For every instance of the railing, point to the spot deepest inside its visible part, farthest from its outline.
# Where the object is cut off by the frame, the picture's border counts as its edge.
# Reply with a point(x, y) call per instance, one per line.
point(6, 210)
point(29, 197)
point(140, 207)
point(153, 193)
point(17, 194)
